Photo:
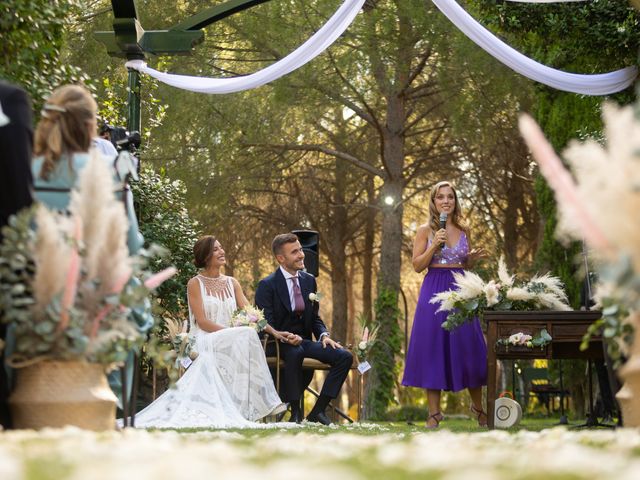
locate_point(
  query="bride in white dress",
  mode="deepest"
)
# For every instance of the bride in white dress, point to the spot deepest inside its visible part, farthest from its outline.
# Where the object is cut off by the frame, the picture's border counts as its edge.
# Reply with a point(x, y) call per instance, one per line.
point(228, 385)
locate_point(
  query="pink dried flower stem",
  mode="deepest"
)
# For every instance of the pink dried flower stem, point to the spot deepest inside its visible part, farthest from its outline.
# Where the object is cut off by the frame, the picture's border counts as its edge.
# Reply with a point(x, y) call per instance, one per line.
point(95, 325)
point(117, 287)
point(560, 181)
point(154, 281)
point(73, 275)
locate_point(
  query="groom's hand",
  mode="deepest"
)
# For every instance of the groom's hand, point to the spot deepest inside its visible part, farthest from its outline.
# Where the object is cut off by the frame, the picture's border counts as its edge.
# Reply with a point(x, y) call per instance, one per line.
point(326, 340)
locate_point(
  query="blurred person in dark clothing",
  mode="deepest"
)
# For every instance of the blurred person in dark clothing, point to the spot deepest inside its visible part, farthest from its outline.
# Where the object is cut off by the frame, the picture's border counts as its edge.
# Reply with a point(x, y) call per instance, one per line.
point(16, 140)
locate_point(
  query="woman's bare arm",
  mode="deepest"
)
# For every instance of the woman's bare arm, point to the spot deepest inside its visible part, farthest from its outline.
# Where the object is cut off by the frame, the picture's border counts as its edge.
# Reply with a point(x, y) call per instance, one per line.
point(422, 254)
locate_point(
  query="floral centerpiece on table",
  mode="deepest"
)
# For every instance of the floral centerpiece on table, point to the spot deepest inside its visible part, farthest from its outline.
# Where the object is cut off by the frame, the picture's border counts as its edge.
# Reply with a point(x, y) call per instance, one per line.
point(249, 316)
point(473, 296)
point(67, 282)
point(521, 339)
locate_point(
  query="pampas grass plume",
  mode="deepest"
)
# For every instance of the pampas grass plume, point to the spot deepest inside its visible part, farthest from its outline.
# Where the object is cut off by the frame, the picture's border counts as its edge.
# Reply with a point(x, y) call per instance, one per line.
point(52, 258)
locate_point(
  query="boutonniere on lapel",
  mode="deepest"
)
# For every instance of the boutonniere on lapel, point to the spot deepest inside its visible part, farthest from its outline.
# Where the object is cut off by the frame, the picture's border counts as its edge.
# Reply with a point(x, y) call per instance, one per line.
point(315, 297)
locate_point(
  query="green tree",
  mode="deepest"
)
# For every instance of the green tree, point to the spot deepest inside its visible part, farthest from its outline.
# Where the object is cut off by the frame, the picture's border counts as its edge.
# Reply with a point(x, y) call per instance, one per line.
point(590, 37)
point(165, 221)
point(33, 41)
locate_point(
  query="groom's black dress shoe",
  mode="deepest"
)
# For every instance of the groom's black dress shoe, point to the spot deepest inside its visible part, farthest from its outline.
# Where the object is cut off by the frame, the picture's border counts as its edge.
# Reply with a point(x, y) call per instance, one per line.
point(296, 417)
point(319, 418)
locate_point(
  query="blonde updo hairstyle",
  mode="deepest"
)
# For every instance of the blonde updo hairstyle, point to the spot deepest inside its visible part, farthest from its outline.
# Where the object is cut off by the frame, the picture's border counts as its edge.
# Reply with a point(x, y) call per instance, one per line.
point(455, 217)
point(65, 127)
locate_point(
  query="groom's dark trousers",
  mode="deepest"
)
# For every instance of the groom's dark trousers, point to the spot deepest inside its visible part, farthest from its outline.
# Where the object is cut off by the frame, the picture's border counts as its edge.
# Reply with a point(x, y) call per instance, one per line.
point(295, 380)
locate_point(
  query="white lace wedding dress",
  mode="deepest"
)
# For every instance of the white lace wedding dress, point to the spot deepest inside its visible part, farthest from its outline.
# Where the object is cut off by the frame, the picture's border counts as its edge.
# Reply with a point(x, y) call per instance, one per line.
point(228, 385)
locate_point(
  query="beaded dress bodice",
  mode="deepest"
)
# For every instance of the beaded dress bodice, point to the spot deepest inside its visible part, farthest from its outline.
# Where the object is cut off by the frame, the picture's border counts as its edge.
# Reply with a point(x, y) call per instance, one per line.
point(452, 255)
point(218, 299)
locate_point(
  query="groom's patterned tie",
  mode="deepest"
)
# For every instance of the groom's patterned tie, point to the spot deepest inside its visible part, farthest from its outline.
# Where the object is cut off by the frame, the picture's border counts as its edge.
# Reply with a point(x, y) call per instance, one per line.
point(297, 296)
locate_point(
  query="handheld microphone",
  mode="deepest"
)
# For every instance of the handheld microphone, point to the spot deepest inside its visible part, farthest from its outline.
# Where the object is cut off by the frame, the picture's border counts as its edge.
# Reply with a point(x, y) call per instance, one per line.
point(443, 223)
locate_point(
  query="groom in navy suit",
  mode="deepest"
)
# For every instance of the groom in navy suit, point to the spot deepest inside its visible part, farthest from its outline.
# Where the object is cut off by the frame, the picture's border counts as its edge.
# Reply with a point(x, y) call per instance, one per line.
point(284, 298)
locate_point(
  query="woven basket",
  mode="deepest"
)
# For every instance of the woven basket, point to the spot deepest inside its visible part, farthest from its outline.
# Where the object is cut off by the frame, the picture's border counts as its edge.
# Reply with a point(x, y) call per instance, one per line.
point(58, 393)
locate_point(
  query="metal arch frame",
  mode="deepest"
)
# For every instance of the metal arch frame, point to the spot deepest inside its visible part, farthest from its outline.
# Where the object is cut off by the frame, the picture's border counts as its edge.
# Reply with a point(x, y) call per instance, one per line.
point(129, 40)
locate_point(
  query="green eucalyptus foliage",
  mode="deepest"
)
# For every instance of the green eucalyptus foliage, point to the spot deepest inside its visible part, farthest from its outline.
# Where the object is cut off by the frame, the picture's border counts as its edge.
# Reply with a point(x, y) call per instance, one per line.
point(17, 268)
point(33, 36)
point(615, 328)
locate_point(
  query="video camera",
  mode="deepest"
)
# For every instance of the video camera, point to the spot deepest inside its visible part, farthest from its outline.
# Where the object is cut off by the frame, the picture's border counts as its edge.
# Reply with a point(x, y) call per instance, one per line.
point(121, 138)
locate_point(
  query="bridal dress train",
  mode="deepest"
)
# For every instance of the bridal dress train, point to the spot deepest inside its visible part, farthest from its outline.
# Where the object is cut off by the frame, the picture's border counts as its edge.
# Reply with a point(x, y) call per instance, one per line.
point(228, 385)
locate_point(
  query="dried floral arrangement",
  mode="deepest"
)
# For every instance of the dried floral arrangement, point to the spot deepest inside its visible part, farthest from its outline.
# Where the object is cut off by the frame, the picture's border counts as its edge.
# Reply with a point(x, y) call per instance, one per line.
point(67, 282)
point(598, 202)
point(184, 343)
point(473, 296)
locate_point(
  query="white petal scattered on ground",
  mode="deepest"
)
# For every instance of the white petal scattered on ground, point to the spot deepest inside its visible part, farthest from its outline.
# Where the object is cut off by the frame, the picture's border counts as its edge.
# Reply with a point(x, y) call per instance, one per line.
point(353, 452)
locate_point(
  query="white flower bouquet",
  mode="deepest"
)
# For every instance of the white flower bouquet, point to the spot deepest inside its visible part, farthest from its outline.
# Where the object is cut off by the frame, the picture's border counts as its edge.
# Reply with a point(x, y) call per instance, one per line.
point(473, 296)
point(249, 316)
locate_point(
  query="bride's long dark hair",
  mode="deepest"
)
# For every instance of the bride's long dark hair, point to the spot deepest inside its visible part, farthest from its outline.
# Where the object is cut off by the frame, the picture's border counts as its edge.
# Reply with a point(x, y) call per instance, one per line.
point(203, 251)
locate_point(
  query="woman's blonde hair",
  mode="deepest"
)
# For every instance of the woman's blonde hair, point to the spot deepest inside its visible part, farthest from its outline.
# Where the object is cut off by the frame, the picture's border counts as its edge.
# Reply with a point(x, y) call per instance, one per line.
point(64, 127)
point(455, 217)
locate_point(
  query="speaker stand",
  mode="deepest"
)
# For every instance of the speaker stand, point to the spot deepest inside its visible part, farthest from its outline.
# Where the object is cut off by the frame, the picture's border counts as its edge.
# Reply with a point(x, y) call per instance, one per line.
point(592, 419)
point(563, 417)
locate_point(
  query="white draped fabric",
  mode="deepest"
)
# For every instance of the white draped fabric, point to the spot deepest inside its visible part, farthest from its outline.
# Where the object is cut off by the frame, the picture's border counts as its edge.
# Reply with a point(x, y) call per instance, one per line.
point(306, 52)
point(600, 84)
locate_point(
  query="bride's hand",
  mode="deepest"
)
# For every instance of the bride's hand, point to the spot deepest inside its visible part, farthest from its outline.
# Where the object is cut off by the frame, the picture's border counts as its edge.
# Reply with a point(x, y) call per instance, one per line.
point(282, 336)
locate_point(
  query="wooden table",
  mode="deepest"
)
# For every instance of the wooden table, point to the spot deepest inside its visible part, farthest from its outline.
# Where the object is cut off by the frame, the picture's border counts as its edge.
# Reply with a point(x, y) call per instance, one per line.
point(565, 328)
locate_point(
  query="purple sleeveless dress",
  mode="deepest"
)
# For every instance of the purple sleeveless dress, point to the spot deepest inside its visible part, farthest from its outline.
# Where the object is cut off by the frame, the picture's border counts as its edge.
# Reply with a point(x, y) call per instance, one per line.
point(438, 359)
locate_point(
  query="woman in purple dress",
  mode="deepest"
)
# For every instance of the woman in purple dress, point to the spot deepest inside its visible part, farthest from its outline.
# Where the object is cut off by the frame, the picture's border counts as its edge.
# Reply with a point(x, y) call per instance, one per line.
point(437, 359)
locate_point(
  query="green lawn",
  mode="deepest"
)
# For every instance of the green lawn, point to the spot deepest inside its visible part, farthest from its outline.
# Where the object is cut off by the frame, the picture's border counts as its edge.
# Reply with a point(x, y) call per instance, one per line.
point(457, 423)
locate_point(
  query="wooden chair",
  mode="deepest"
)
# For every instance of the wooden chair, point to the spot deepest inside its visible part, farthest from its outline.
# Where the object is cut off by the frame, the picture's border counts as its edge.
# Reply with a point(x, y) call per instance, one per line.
point(536, 381)
point(277, 363)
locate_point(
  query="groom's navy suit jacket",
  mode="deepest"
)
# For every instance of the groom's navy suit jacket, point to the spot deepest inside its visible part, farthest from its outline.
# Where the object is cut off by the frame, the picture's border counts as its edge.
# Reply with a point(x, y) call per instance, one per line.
point(272, 296)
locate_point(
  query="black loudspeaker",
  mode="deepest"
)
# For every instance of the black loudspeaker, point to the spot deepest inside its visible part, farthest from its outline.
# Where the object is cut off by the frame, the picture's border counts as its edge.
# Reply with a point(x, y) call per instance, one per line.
point(310, 242)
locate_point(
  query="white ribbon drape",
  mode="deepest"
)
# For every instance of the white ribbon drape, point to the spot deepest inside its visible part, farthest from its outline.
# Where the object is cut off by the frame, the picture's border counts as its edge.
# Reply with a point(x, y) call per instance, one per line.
point(600, 84)
point(306, 52)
